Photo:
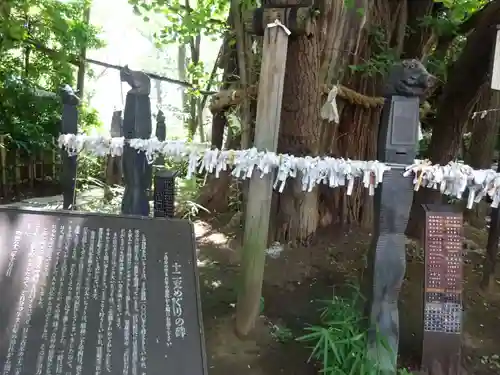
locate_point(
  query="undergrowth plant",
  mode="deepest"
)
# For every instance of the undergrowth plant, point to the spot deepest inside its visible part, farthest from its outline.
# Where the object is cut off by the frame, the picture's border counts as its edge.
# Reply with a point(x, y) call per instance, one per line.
point(339, 342)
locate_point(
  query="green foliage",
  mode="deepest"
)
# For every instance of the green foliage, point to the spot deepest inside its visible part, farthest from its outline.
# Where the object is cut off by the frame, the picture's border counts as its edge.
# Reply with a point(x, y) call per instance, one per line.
point(340, 341)
point(31, 73)
point(183, 22)
point(447, 21)
point(30, 121)
point(382, 58)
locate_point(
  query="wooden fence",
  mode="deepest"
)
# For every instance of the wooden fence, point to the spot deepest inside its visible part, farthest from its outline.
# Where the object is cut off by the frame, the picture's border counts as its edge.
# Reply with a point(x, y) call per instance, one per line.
point(24, 173)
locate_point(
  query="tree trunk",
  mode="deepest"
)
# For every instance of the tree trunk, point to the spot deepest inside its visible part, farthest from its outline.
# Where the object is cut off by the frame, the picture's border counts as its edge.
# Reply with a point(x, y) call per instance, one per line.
point(482, 148)
point(479, 153)
point(356, 135)
point(297, 218)
point(466, 77)
point(417, 39)
point(215, 194)
point(484, 130)
point(80, 80)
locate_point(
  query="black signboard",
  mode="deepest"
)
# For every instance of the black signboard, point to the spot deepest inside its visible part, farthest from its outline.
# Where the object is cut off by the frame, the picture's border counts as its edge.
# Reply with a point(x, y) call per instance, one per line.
point(94, 294)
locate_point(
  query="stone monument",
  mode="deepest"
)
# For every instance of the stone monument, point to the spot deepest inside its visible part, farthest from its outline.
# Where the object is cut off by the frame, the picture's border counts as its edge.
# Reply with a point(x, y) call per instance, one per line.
point(88, 294)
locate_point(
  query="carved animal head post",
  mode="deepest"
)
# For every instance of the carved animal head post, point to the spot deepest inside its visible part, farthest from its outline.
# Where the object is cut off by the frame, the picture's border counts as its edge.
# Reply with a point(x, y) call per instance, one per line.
point(397, 145)
point(161, 129)
point(161, 134)
point(137, 172)
point(409, 78)
point(116, 124)
point(69, 125)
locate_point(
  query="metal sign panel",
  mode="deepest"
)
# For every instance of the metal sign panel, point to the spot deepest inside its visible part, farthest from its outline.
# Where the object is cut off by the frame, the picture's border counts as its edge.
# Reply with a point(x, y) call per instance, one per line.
point(443, 286)
point(98, 294)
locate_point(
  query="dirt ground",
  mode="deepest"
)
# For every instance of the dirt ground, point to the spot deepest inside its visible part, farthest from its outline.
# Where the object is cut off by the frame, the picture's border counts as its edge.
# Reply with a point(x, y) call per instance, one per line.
point(300, 277)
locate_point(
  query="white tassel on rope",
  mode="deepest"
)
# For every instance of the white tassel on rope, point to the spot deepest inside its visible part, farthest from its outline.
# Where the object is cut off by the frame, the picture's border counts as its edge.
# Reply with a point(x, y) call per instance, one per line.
point(277, 23)
point(452, 179)
point(330, 111)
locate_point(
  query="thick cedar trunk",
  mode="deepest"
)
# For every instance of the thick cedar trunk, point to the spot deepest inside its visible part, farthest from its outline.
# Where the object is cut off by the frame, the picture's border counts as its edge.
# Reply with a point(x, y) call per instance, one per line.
point(479, 154)
point(417, 37)
point(311, 62)
point(481, 151)
point(459, 95)
point(299, 133)
point(484, 130)
point(356, 135)
point(490, 260)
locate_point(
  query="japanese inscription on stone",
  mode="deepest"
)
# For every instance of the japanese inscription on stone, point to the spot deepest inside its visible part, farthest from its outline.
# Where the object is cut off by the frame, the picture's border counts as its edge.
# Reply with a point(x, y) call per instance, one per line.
point(443, 247)
point(91, 294)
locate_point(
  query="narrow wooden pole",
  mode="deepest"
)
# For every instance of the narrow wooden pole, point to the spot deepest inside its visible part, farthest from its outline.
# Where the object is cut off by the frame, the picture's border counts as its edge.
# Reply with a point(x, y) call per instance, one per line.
point(272, 76)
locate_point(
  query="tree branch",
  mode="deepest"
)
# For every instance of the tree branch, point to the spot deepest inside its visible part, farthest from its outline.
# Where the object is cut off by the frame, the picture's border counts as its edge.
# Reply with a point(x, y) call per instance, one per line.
point(75, 60)
point(487, 16)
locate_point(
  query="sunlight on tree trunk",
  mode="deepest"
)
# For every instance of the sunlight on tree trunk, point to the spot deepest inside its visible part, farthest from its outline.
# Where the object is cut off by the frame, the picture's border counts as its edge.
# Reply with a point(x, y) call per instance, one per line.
point(80, 81)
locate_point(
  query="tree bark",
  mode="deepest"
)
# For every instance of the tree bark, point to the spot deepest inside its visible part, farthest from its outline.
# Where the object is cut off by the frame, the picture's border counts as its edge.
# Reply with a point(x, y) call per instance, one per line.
point(417, 39)
point(215, 195)
point(355, 136)
point(481, 151)
point(484, 130)
point(465, 79)
point(297, 217)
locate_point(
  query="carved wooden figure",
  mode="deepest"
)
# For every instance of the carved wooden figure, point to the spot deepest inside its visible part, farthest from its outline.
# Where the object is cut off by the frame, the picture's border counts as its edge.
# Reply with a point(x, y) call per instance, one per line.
point(137, 172)
point(69, 125)
point(161, 134)
point(397, 146)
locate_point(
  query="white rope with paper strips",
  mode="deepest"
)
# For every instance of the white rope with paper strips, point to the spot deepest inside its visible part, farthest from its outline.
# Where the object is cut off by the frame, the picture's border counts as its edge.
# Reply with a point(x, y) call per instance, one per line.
point(452, 179)
point(313, 170)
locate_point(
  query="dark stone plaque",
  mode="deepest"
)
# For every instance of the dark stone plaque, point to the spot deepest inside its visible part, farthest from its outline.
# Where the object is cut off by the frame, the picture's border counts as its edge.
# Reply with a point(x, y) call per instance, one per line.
point(98, 294)
point(443, 287)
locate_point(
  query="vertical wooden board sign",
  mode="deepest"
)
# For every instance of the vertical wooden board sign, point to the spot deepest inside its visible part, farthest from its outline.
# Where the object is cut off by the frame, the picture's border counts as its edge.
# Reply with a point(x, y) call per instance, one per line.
point(88, 294)
point(495, 75)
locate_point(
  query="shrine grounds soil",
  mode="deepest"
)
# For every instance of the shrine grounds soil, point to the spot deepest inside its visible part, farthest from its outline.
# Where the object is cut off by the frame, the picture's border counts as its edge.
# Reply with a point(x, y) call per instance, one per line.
point(300, 277)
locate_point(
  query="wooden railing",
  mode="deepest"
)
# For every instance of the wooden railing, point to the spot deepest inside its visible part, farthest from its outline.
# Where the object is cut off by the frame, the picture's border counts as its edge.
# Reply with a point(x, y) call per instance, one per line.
point(24, 173)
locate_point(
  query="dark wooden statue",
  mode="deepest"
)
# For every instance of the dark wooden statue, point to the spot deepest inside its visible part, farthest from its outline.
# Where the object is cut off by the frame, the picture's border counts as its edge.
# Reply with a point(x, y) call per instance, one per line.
point(408, 78)
point(137, 172)
point(397, 146)
point(69, 125)
point(161, 134)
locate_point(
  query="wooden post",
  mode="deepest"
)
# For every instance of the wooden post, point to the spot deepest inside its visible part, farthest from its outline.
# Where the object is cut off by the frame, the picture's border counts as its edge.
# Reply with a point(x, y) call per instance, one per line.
point(271, 82)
